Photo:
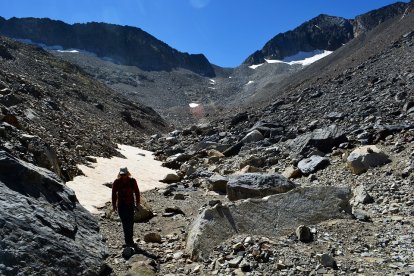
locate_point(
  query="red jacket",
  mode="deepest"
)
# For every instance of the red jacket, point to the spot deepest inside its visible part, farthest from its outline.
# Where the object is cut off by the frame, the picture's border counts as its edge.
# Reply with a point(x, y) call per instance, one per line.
point(123, 191)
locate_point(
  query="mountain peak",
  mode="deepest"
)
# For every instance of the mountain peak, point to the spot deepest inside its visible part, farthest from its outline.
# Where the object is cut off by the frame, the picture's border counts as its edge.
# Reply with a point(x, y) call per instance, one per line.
point(323, 32)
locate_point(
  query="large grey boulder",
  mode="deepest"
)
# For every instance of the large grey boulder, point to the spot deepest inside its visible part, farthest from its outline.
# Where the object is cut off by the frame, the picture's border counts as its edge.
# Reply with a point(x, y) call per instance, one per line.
point(321, 139)
point(43, 228)
point(363, 158)
point(257, 185)
point(271, 216)
point(313, 164)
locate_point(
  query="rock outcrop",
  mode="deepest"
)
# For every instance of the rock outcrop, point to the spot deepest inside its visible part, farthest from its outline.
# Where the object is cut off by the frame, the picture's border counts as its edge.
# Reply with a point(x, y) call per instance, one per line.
point(278, 214)
point(43, 228)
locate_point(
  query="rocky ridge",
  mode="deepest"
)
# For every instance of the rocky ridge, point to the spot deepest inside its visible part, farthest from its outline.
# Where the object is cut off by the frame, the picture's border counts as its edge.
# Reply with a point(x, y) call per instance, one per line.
point(141, 49)
point(54, 115)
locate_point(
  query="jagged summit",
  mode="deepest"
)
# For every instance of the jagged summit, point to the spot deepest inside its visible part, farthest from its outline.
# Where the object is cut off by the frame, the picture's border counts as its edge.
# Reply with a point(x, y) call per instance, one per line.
point(122, 44)
point(323, 32)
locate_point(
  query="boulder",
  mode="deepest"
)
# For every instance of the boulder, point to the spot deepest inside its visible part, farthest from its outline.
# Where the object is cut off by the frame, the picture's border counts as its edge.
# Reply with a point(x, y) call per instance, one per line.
point(272, 216)
point(171, 178)
point(142, 214)
point(218, 183)
point(41, 217)
point(313, 164)
point(257, 185)
point(144, 211)
point(304, 234)
point(253, 136)
point(322, 139)
point(363, 158)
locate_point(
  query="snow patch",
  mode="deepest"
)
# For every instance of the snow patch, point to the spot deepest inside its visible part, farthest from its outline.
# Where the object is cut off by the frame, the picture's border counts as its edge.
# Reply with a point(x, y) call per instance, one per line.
point(250, 82)
point(89, 188)
point(212, 81)
point(254, 66)
point(193, 105)
point(301, 58)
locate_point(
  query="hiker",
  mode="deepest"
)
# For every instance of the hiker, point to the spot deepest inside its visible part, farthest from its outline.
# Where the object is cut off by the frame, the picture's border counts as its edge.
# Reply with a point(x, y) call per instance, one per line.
point(123, 190)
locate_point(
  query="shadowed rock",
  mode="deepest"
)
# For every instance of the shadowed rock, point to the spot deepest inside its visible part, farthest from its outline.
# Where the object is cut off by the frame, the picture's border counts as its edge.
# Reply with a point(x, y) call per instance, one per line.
point(43, 228)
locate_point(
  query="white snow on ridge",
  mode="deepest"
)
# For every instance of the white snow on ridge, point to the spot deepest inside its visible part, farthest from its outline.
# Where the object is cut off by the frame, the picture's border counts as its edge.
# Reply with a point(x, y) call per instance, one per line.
point(302, 58)
point(68, 51)
point(254, 66)
point(306, 58)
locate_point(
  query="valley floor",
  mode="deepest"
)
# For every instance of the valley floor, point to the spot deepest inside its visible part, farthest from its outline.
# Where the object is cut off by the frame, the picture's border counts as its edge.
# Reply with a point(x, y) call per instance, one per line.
point(381, 245)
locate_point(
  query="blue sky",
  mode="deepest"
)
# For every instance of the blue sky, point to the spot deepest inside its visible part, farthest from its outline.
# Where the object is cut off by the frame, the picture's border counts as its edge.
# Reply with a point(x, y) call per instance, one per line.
point(226, 31)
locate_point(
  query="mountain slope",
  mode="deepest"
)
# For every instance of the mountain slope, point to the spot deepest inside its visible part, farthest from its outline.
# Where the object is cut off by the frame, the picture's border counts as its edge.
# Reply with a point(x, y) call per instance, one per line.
point(322, 33)
point(54, 115)
point(123, 44)
point(371, 75)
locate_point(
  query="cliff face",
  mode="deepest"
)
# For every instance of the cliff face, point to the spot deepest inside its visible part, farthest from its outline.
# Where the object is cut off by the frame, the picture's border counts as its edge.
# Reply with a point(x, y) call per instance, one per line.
point(123, 44)
point(370, 20)
point(323, 32)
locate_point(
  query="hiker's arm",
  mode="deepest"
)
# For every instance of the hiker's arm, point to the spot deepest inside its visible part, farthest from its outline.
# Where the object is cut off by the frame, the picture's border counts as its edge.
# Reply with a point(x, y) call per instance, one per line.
point(114, 194)
point(137, 194)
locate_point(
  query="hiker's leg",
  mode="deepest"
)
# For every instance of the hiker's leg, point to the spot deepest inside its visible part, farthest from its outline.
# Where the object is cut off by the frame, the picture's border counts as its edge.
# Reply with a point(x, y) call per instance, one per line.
point(129, 226)
point(123, 212)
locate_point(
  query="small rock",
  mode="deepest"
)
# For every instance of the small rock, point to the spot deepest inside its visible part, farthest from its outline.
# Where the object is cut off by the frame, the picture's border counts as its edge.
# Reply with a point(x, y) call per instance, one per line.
point(152, 237)
point(234, 263)
point(313, 164)
point(178, 255)
point(179, 197)
point(361, 215)
point(292, 172)
point(304, 234)
point(362, 196)
point(327, 260)
point(127, 253)
point(214, 202)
